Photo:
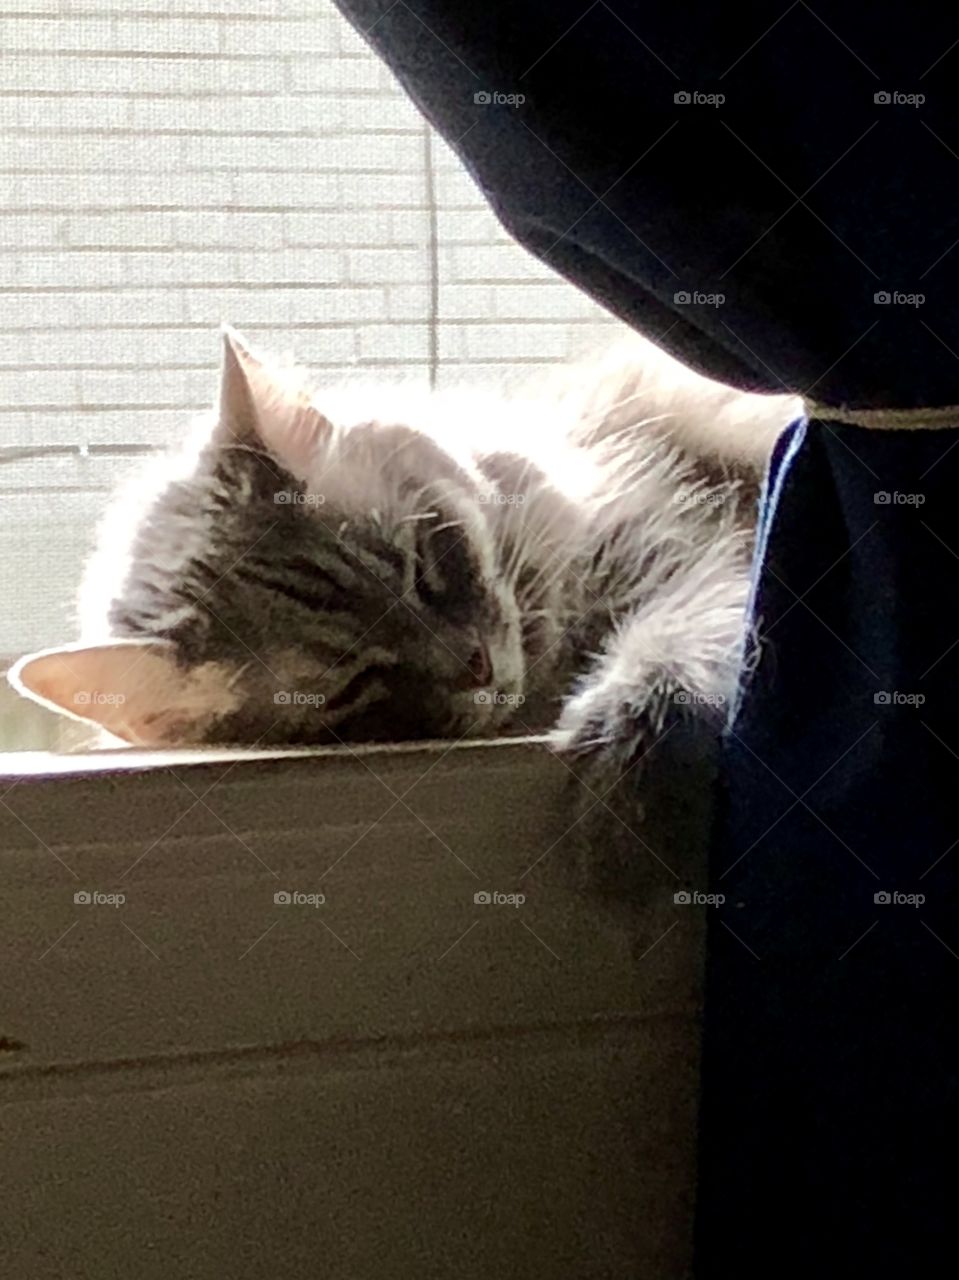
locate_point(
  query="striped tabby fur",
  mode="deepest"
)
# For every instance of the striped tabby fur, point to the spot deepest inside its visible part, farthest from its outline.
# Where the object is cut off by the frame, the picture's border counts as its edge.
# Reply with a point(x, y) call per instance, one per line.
point(350, 567)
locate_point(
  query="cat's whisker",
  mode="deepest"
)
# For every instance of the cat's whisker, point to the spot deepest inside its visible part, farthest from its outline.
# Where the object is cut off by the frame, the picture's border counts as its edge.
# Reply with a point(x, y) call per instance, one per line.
point(449, 524)
point(540, 583)
point(417, 515)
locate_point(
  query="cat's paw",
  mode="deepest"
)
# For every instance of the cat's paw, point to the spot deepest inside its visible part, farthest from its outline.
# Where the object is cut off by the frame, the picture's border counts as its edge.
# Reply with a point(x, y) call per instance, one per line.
point(614, 718)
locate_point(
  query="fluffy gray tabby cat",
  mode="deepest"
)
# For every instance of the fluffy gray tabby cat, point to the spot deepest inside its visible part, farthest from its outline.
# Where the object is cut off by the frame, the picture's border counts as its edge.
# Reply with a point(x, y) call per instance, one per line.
point(351, 568)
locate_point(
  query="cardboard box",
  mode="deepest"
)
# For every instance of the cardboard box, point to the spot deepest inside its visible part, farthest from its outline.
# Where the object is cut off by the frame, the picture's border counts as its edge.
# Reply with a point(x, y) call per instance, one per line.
point(200, 1079)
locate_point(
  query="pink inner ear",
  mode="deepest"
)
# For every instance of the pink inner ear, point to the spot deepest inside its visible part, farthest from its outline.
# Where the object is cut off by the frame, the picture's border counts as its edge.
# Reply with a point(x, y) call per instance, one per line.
point(133, 689)
point(293, 431)
point(266, 401)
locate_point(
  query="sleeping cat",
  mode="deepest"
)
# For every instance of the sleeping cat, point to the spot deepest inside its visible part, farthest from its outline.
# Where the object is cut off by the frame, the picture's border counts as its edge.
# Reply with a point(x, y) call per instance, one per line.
point(337, 567)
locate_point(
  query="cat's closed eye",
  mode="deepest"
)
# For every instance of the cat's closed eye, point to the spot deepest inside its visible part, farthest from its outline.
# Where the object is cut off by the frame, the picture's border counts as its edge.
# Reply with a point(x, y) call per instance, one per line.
point(447, 576)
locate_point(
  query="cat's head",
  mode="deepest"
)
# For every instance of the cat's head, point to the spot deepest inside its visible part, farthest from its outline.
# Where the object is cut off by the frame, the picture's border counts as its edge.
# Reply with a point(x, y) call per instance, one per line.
point(302, 579)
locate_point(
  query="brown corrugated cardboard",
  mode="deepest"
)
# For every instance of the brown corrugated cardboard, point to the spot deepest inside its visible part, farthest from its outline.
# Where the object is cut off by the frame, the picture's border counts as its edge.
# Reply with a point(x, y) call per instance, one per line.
point(397, 1080)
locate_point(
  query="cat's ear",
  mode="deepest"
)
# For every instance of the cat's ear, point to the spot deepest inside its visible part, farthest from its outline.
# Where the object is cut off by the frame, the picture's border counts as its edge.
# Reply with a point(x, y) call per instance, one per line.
point(134, 689)
point(267, 405)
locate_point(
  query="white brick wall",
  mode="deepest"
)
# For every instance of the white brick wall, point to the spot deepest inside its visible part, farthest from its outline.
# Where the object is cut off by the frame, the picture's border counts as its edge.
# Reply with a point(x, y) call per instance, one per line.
point(166, 164)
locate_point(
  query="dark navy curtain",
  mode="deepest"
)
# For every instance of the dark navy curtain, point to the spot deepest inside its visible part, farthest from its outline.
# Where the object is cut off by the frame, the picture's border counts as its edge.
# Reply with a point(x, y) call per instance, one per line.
point(769, 191)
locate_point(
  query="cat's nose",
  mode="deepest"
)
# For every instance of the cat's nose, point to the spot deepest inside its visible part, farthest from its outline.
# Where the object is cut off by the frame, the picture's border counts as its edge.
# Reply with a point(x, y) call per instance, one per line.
point(479, 668)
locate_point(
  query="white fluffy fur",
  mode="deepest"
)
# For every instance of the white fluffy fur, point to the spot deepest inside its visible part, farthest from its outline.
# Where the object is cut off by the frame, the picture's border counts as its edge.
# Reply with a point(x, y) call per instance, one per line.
point(617, 514)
